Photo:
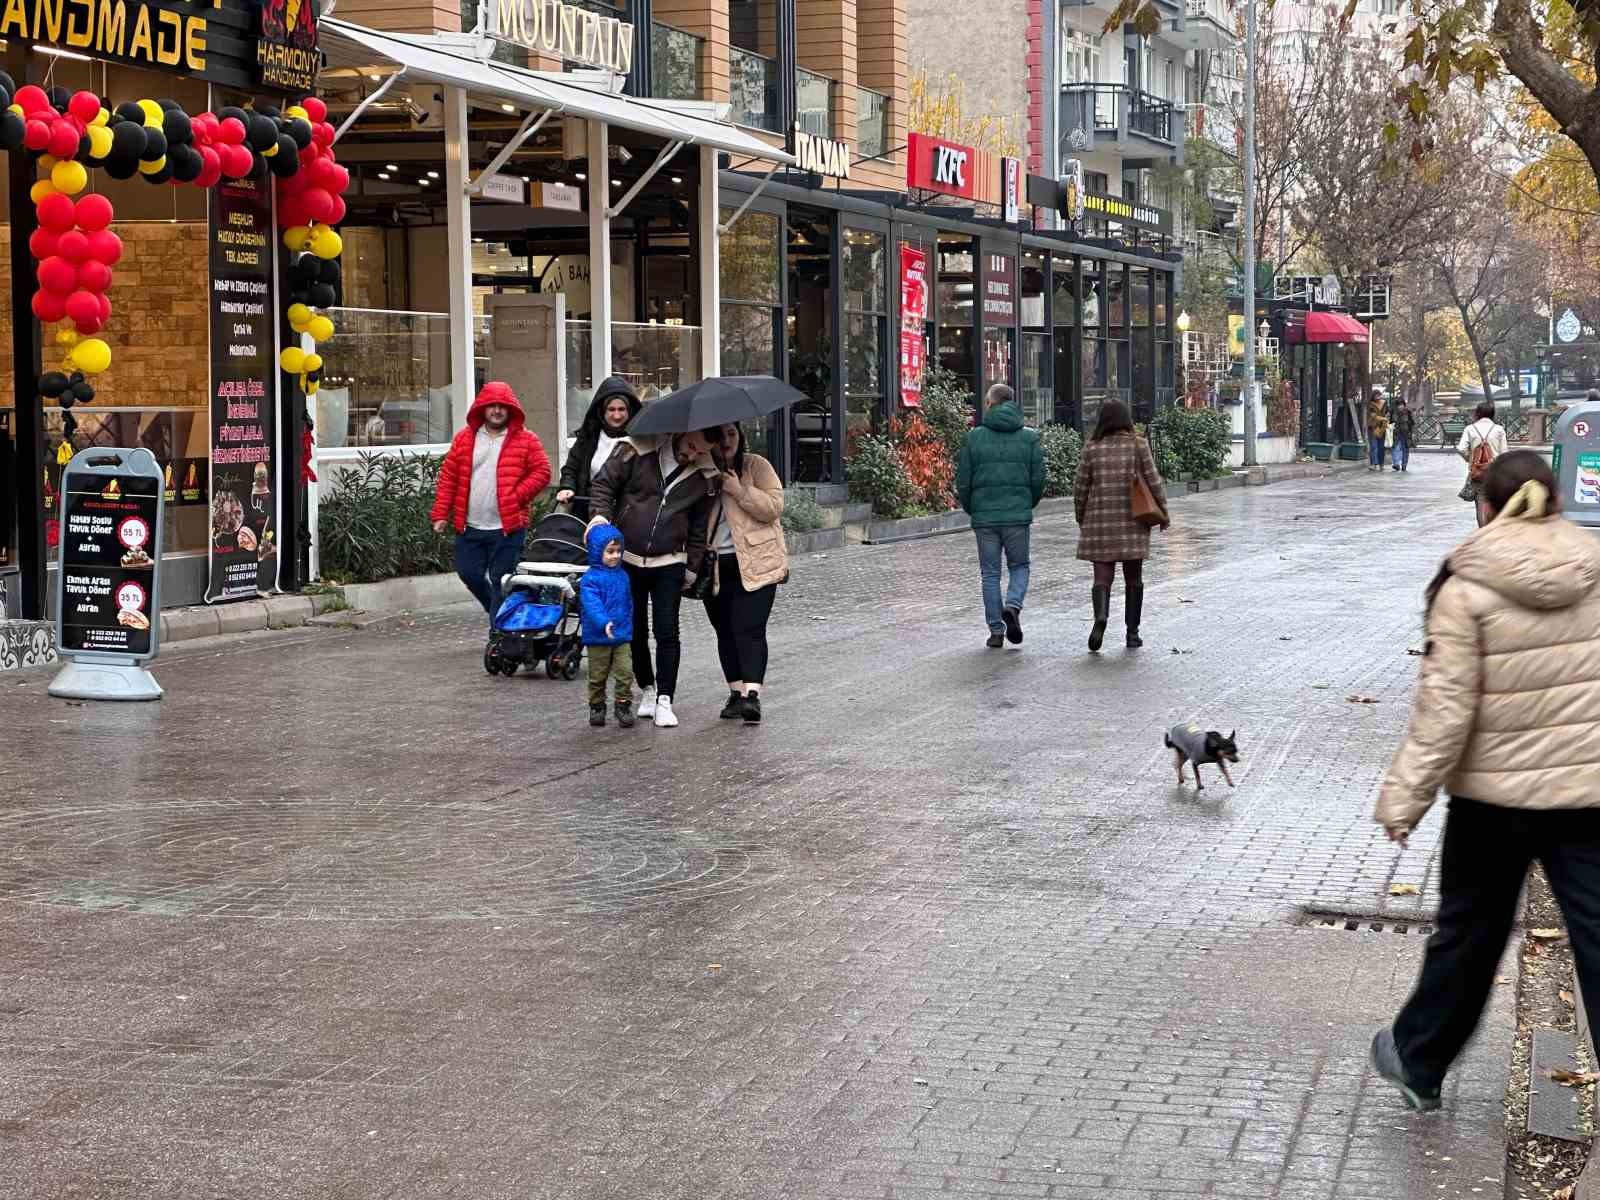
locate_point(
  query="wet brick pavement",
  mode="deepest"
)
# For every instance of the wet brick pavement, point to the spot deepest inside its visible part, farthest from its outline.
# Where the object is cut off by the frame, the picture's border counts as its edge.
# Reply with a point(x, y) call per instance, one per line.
point(344, 917)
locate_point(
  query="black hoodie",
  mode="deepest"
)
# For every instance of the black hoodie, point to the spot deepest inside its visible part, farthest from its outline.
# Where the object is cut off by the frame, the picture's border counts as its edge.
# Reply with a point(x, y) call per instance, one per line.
point(575, 475)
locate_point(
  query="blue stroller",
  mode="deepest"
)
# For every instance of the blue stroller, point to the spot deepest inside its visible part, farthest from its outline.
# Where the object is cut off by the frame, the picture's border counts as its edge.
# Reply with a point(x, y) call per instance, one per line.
point(538, 621)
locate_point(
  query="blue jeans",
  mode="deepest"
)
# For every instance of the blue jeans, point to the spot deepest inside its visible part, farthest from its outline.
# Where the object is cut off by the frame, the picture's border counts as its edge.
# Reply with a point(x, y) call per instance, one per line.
point(992, 541)
point(1375, 451)
point(1402, 453)
point(483, 558)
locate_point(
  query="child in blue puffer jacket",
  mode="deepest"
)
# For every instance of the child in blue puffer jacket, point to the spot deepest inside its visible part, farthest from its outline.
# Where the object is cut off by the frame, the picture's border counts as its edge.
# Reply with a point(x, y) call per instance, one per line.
point(607, 603)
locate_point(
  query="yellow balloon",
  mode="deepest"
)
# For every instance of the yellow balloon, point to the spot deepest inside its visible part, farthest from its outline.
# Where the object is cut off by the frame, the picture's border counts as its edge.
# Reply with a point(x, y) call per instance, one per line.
point(68, 364)
point(292, 360)
point(299, 314)
point(103, 117)
point(16, 108)
point(66, 337)
point(295, 113)
point(270, 150)
point(311, 388)
point(91, 356)
point(326, 243)
point(312, 362)
point(47, 163)
point(297, 237)
point(153, 115)
point(99, 140)
point(40, 190)
point(150, 168)
point(320, 329)
point(69, 177)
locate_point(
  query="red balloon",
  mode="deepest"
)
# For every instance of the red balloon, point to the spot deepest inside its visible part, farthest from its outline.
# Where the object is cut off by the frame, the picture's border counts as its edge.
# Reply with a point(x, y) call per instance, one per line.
point(237, 162)
point(32, 98)
point(322, 134)
point(57, 213)
point(315, 108)
point(49, 306)
point(210, 174)
point(291, 212)
point(42, 244)
point(94, 276)
point(338, 212)
point(293, 185)
point(74, 246)
point(91, 326)
point(83, 308)
point(105, 246)
point(105, 307)
point(35, 134)
point(231, 130)
point(58, 275)
point(323, 172)
point(317, 203)
point(341, 180)
point(93, 212)
point(64, 137)
point(85, 106)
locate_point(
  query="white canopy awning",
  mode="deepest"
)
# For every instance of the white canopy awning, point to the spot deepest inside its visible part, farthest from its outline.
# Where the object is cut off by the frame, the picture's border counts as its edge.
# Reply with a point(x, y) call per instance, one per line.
point(435, 59)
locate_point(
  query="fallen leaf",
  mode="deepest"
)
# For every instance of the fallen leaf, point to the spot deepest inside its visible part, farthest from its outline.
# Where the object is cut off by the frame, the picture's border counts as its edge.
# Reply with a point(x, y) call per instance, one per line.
point(1404, 889)
point(919, 1081)
point(1286, 639)
point(1175, 650)
point(1356, 698)
point(1547, 935)
point(713, 966)
point(1182, 600)
point(1414, 653)
point(1567, 999)
point(1568, 1078)
point(1321, 687)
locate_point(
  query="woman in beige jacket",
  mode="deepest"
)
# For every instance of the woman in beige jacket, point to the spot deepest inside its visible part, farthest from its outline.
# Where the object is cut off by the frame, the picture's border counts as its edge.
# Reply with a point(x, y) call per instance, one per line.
point(1506, 719)
point(749, 560)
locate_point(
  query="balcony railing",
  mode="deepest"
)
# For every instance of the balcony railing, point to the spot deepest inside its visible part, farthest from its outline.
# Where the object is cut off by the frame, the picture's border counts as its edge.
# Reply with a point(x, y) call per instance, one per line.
point(674, 63)
point(1150, 115)
point(813, 112)
point(752, 90)
point(1107, 113)
point(872, 123)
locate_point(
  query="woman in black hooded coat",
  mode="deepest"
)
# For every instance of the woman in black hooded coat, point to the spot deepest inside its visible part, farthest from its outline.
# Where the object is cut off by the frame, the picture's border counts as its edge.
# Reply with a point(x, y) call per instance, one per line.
point(615, 404)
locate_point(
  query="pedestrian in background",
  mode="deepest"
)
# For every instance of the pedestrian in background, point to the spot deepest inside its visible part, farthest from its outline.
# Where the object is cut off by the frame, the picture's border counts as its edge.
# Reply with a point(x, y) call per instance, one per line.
point(1108, 533)
point(1377, 430)
point(659, 491)
point(1506, 718)
point(999, 481)
point(1405, 424)
point(492, 472)
point(605, 601)
point(1481, 443)
point(603, 429)
point(748, 561)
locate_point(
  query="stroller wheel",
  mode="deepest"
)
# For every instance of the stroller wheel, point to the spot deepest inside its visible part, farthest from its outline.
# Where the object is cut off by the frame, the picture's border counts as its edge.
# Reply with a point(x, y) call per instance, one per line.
point(569, 670)
point(491, 660)
point(553, 665)
point(508, 666)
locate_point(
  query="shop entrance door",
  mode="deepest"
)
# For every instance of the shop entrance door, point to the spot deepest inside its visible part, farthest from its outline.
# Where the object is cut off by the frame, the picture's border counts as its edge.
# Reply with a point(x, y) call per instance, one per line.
point(808, 340)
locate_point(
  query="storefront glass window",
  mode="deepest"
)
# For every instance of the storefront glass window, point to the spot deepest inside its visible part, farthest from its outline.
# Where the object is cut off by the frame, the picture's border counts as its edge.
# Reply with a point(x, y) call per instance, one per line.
point(1036, 396)
point(749, 268)
point(1034, 278)
point(866, 315)
point(1097, 372)
point(955, 311)
point(1139, 298)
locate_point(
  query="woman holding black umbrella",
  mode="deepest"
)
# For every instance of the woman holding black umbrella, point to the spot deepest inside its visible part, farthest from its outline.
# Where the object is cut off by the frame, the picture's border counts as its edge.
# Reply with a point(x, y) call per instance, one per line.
point(748, 561)
point(659, 490)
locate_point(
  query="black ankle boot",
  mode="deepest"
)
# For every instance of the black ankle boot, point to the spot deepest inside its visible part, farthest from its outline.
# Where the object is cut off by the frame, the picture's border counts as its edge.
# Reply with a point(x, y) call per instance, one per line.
point(1135, 610)
point(733, 709)
point(1102, 613)
point(751, 712)
point(597, 715)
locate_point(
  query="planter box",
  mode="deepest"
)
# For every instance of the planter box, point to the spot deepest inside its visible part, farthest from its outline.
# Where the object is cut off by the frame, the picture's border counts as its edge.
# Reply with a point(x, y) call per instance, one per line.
point(1352, 451)
point(814, 540)
point(1321, 451)
point(907, 528)
point(1271, 450)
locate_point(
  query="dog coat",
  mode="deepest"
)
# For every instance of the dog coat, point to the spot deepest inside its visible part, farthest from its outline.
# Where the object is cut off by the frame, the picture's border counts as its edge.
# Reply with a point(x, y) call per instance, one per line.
point(1190, 741)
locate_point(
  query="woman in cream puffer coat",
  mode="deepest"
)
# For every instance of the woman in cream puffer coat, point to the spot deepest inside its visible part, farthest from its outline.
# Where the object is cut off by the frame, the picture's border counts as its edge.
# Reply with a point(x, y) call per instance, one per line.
point(1506, 719)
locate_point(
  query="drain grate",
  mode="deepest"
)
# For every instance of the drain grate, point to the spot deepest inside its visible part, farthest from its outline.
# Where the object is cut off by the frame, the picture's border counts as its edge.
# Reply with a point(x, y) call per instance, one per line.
point(1363, 923)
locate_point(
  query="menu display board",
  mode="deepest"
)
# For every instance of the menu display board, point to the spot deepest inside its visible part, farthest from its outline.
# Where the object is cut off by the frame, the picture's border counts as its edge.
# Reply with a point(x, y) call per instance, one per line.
point(913, 315)
point(244, 515)
point(110, 529)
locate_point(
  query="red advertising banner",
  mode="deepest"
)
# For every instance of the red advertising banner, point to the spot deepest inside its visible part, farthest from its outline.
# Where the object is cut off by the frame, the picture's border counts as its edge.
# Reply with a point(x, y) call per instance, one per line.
point(913, 314)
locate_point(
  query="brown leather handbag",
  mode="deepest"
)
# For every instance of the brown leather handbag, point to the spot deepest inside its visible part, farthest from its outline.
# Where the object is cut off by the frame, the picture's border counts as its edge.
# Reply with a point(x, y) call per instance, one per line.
point(1145, 509)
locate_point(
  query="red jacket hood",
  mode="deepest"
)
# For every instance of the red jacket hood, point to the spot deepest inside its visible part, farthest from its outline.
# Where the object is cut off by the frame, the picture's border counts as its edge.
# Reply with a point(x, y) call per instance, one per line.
point(496, 392)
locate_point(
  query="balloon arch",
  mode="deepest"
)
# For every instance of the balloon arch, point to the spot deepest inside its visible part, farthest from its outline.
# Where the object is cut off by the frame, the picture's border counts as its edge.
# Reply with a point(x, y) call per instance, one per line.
point(76, 249)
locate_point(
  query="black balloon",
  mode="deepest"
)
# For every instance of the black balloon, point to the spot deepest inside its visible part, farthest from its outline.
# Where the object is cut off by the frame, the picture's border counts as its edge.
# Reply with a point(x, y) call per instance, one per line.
point(11, 130)
point(83, 148)
point(127, 141)
point(261, 133)
point(236, 112)
point(84, 391)
point(286, 161)
point(8, 83)
point(178, 128)
point(300, 295)
point(155, 145)
point(265, 109)
point(259, 169)
point(305, 270)
point(300, 130)
point(120, 167)
point(129, 110)
point(331, 272)
point(322, 295)
point(60, 97)
point(169, 105)
point(161, 176)
point(186, 163)
point(52, 383)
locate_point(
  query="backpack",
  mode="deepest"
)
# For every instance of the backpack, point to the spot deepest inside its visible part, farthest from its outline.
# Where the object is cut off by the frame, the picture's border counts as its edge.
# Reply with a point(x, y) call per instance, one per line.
point(1478, 462)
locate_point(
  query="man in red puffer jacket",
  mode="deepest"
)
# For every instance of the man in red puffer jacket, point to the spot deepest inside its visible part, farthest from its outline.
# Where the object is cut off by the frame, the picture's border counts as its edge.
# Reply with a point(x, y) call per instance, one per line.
point(491, 475)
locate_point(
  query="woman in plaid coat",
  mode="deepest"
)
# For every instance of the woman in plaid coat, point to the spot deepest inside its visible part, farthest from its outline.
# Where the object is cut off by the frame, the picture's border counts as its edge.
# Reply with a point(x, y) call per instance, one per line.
point(1108, 534)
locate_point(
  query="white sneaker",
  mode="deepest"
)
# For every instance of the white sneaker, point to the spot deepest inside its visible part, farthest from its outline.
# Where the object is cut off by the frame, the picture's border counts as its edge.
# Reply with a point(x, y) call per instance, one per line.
point(665, 719)
point(646, 707)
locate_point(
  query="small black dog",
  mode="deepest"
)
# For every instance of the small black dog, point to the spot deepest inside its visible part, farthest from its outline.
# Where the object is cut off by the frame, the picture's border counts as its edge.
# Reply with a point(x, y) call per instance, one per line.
point(1189, 743)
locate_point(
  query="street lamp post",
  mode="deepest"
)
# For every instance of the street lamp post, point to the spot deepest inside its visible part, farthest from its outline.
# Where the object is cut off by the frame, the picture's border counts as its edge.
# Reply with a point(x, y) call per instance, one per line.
point(1250, 232)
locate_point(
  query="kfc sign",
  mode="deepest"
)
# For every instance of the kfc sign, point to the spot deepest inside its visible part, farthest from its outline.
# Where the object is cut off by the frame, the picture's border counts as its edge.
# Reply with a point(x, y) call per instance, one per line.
point(935, 165)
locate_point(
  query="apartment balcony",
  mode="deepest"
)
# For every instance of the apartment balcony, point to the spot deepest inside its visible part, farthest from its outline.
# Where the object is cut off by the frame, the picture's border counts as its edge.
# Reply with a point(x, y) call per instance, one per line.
point(1206, 25)
point(752, 90)
point(1142, 128)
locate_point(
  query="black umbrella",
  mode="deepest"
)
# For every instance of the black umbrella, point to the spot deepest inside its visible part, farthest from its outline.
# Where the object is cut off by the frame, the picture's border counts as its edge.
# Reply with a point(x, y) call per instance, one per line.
point(722, 401)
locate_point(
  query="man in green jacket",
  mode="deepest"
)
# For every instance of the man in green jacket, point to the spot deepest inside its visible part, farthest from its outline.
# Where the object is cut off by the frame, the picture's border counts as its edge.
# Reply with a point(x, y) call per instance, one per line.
point(999, 480)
